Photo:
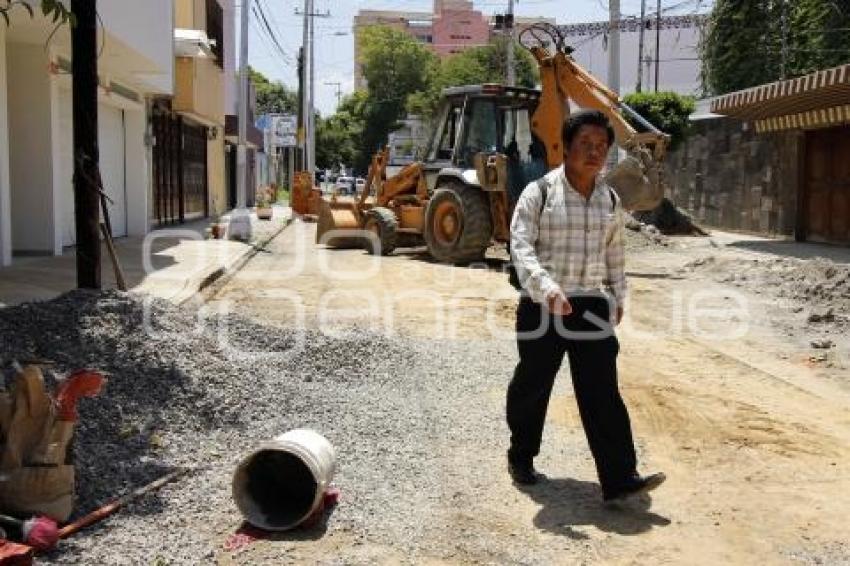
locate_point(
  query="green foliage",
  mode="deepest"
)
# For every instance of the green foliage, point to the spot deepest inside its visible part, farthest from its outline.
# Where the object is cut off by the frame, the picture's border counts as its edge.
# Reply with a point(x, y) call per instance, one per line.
point(338, 137)
point(273, 97)
point(50, 8)
point(479, 65)
point(395, 66)
point(667, 111)
point(743, 46)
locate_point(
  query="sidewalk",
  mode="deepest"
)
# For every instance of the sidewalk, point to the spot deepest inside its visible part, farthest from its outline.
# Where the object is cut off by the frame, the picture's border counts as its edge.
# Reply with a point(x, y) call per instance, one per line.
point(172, 263)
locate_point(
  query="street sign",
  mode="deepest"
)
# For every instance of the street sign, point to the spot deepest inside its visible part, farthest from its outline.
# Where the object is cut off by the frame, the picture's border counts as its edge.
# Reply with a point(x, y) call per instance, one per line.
point(283, 130)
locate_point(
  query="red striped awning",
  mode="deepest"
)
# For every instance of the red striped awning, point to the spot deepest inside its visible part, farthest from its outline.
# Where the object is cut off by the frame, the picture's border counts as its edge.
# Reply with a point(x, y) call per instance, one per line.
point(816, 100)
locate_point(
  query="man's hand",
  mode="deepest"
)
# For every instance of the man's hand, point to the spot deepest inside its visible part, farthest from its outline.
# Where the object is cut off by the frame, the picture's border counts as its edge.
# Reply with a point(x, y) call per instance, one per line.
point(557, 303)
point(619, 317)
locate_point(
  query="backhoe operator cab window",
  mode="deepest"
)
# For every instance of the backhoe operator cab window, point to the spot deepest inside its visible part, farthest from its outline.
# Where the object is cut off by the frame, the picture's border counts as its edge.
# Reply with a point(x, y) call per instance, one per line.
point(442, 147)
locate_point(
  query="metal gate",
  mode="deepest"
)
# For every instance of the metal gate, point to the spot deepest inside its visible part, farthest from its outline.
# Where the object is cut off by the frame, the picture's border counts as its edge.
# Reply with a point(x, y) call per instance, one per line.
point(194, 167)
point(180, 180)
point(826, 199)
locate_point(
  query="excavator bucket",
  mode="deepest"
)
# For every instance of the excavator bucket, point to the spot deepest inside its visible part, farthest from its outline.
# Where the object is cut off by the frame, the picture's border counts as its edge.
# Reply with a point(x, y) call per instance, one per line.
point(338, 221)
point(638, 180)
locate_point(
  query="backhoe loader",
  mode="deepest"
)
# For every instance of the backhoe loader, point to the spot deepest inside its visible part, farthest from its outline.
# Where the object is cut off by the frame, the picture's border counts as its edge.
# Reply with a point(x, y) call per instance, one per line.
point(489, 143)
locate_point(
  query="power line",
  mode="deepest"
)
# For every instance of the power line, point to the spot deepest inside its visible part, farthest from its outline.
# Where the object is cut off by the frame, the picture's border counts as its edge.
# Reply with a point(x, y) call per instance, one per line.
point(258, 12)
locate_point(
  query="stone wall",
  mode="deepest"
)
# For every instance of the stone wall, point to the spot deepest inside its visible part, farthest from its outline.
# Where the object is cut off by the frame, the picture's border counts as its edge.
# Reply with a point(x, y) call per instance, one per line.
point(727, 176)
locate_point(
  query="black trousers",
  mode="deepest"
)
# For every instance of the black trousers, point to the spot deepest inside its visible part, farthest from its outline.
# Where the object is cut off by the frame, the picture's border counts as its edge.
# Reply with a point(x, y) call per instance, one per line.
point(543, 339)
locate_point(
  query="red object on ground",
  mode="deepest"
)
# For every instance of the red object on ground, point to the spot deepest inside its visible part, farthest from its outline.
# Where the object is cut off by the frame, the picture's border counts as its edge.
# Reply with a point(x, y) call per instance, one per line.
point(14, 554)
point(246, 535)
point(41, 533)
point(81, 383)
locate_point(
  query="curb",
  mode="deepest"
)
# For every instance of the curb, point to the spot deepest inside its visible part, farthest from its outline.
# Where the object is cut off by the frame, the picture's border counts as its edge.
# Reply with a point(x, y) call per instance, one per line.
point(224, 274)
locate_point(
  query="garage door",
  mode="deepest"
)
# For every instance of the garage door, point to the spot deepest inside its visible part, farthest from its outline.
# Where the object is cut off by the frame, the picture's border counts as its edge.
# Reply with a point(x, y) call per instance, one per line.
point(827, 196)
point(111, 135)
point(111, 141)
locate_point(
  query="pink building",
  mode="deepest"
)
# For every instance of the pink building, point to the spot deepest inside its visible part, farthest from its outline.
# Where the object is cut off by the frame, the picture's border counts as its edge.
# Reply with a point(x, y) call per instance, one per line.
point(457, 26)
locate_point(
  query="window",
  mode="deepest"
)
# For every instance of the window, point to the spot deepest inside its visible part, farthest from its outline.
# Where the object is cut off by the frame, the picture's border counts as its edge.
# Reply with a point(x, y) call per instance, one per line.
point(444, 140)
point(481, 135)
point(215, 30)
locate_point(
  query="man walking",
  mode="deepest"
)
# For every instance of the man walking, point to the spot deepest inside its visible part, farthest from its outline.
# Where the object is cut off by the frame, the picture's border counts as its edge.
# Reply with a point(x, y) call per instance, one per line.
point(567, 246)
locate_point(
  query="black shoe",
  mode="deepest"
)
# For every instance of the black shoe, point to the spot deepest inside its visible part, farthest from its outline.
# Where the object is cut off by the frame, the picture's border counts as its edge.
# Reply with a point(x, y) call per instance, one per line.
point(523, 473)
point(635, 486)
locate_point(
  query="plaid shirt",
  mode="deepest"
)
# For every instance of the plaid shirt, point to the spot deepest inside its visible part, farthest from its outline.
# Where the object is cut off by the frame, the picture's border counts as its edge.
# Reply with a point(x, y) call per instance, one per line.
point(574, 244)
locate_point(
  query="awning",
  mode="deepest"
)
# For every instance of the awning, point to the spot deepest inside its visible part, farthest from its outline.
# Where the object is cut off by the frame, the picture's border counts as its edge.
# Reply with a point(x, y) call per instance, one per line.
point(817, 100)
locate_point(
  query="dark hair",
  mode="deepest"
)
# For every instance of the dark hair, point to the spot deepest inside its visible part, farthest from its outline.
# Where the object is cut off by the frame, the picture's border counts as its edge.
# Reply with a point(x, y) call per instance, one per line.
point(585, 118)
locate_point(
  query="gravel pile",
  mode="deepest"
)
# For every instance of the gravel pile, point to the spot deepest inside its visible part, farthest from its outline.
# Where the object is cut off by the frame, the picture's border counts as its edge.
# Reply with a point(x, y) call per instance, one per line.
point(395, 410)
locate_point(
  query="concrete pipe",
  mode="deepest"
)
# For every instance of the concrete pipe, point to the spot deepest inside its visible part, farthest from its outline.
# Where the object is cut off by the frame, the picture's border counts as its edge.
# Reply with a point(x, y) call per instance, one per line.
point(281, 484)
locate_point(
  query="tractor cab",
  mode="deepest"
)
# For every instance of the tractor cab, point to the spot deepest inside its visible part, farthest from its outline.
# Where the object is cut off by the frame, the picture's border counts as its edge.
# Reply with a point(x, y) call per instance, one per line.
point(476, 122)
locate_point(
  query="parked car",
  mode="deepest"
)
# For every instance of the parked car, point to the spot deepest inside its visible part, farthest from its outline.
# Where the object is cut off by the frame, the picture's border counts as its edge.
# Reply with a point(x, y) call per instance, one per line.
point(359, 184)
point(344, 185)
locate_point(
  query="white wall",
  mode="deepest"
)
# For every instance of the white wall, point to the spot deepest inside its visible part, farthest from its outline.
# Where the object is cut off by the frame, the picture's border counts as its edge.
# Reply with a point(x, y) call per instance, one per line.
point(139, 192)
point(5, 214)
point(147, 27)
point(31, 171)
point(679, 68)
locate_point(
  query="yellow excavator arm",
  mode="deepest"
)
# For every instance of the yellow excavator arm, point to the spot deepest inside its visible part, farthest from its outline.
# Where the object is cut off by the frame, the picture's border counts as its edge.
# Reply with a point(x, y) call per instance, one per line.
point(639, 178)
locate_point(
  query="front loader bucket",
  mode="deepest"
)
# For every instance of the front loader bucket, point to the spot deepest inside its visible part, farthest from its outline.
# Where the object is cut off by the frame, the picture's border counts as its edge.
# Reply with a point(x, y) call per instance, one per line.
point(638, 180)
point(338, 223)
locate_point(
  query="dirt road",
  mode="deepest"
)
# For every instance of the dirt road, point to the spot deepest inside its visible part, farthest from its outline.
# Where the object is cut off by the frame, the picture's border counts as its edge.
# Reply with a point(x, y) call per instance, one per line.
point(727, 396)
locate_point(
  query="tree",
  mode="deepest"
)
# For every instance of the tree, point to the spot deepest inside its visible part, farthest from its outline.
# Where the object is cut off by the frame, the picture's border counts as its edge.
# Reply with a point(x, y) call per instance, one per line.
point(338, 138)
point(751, 42)
point(273, 97)
point(739, 50)
point(87, 186)
point(817, 31)
point(667, 111)
point(478, 65)
point(395, 67)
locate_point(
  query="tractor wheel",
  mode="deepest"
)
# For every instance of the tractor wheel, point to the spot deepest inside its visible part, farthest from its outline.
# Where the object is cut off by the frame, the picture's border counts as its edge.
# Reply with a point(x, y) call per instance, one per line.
point(383, 224)
point(458, 228)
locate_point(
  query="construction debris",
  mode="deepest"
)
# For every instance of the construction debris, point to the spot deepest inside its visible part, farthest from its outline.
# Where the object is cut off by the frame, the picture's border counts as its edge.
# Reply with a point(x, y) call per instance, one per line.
point(669, 219)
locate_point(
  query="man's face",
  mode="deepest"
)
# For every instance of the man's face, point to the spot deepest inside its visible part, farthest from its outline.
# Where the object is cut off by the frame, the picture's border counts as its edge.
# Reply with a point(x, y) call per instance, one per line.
point(587, 152)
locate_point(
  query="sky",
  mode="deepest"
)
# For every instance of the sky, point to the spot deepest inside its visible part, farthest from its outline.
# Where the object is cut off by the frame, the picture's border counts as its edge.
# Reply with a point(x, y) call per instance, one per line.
point(335, 43)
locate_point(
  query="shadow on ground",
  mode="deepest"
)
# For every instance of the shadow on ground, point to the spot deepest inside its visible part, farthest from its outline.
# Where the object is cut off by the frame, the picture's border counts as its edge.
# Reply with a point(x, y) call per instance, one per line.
point(569, 503)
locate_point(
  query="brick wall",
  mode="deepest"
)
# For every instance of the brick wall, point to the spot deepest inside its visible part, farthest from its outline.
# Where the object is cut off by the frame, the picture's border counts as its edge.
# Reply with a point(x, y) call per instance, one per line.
point(729, 177)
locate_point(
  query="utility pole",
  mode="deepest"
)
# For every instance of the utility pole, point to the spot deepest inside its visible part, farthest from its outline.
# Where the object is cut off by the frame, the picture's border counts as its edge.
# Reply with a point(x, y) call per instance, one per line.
point(509, 26)
point(614, 45)
point(310, 88)
point(242, 142)
point(86, 154)
point(614, 65)
point(338, 86)
point(300, 137)
point(305, 108)
point(657, 44)
point(311, 117)
point(640, 45)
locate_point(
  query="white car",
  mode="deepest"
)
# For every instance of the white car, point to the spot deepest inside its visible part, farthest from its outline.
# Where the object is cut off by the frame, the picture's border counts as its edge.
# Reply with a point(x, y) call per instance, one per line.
point(360, 183)
point(344, 185)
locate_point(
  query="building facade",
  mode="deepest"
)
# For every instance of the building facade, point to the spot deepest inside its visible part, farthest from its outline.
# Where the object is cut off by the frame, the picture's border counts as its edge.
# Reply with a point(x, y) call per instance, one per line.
point(188, 127)
point(772, 159)
point(36, 136)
